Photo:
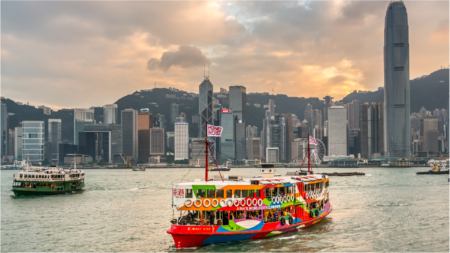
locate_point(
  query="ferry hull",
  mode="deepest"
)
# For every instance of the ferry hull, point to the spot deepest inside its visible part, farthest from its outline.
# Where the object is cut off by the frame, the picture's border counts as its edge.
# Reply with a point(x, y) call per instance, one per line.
point(29, 192)
point(190, 236)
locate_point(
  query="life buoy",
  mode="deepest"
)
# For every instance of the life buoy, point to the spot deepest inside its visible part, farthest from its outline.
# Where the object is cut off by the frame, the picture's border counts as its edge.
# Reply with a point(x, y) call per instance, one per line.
point(293, 197)
point(249, 202)
point(306, 195)
point(236, 203)
point(222, 203)
point(254, 202)
point(278, 199)
point(230, 203)
point(282, 221)
point(204, 203)
point(199, 204)
point(242, 202)
point(188, 203)
point(217, 202)
point(260, 202)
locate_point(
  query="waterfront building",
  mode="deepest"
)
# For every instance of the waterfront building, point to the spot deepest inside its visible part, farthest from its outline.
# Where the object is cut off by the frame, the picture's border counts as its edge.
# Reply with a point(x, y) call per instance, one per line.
point(173, 112)
point(297, 152)
point(305, 129)
point(130, 140)
point(4, 131)
point(101, 141)
point(354, 142)
point(110, 114)
point(145, 123)
point(272, 155)
point(277, 135)
point(181, 141)
point(66, 149)
point(253, 149)
point(79, 128)
point(197, 156)
point(237, 95)
point(157, 141)
point(429, 133)
point(33, 140)
point(227, 140)
point(18, 142)
point(54, 137)
point(205, 105)
point(396, 82)
point(337, 131)
point(10, 152)
point(289, 136)
point(81, 115)
point(372, 126)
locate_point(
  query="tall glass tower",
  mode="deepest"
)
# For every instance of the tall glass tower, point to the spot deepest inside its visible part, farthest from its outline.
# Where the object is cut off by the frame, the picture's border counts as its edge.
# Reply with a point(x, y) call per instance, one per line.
point(396, 82)
point(205, 105)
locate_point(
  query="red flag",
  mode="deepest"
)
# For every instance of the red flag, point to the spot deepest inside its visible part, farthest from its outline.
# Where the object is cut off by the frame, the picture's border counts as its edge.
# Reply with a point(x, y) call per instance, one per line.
point(214, 130)
point(312, 140)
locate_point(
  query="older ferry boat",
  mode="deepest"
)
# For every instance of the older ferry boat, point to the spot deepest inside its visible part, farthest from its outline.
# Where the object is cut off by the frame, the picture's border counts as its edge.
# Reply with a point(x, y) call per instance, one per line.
point(233, 208)
point(47, 181)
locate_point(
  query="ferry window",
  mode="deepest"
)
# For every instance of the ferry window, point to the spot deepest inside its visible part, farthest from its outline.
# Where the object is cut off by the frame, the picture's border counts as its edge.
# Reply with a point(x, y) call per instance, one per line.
point(237, 193)
point(32, 176)
point(219, 193)
point(229, 193)
point(244, 193)
point(282, 190)
point(258, 193)
point(21, 175)
point(188, 193)
point(251, 193)
point(211, 193)
point(201, 193)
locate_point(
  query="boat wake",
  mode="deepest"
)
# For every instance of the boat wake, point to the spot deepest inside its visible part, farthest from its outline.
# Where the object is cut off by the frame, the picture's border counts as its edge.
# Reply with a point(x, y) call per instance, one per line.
point(368, 175)
point(285, 238)
point(134, 189)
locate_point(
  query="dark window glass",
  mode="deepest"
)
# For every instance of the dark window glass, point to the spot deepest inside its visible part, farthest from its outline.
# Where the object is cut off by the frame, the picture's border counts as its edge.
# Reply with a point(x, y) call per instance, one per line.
point(399, 68)
point(244, 193)
point(219, 193)
point(251, 193)
point(229, 193)
point(201, 193)
point(237, 193)
point(211, 193)
point(258, 193)
point(188, 193)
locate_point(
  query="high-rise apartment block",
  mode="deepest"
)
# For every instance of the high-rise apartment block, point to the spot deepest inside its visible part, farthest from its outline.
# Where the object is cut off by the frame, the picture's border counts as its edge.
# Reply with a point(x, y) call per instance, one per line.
point(337, 131)
point(396, 82)
point(54, 137)
point(130, 140)
point(181, 141)
point(145, 123)
point(110, 114)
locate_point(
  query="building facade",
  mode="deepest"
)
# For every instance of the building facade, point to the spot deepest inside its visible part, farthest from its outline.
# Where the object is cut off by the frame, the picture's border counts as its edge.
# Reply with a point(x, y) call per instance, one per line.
point(18, 142)
point(4, 130)
point(181, 141)
point(429, 133)
point(372, 126)
point(238, 98)
point(205, 105)
point(130, 139)
point(337, 131)
point(396, 82)
point(145, 123)
point(33, 141)
point(173, 112)
point(54, 137)
point(157, 141)
point(110, 114)
point(272, 155)
point(79, 128)
point(227, 146)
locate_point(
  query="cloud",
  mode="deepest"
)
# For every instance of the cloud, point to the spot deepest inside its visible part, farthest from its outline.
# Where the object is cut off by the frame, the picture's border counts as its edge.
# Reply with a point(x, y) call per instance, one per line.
point(441, 32)
point(185, 57)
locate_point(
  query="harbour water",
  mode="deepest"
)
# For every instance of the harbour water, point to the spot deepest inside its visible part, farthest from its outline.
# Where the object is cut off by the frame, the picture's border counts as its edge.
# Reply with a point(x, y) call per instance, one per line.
point(389, 209)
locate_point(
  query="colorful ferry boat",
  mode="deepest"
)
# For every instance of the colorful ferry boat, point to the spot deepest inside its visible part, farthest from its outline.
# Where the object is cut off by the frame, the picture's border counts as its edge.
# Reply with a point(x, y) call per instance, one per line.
point(47, 181)
point(233, 208)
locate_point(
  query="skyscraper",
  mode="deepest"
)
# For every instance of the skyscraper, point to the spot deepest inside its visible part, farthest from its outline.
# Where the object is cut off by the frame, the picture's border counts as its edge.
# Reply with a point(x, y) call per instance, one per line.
point(181, 141)
point(238, 100)
point(308, 115)
point(157, 141)
point(145, 122)
point(353, 114)
point(227, 140)
point(4, 130)
point(277, 135)
point(110, 114)
point(33, 141)
point(371, 129)
point(18, 142)
point(129, 119)
point(80, 114)
point(173, 113)
point(337, 131)
point(205, 105)
point(79, 128)
point(396, 82)
point(429, 133)
point(54, 137)
point(271, 107)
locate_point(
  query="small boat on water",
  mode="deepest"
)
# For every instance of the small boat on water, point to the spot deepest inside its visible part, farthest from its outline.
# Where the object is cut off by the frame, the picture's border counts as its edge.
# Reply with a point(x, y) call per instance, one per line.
point(47, 181)
point(142, 168)
point(231, 208)
point(437, 170)
point(220, 168)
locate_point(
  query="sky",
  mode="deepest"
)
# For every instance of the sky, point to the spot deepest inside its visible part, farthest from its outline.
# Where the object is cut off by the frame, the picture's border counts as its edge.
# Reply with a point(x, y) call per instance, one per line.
point(91, 53)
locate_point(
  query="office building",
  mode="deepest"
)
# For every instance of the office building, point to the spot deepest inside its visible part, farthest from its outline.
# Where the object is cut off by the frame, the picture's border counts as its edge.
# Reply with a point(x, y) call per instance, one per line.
point(157, 141)
point(337, 131)
point(396, 82)
point(173, 112)
point(354, 142)
point(227, 146)
point(327, 102)
point(253, 148)
point(276, 137)
point(290, 135)
point(205, 105)
point(237, 95)
point(79, 127)
point(110, 114)
point(197, 156)
point(271, 107)
point(33, 141)
point(272, 155)
point(145, 123)
point(66, 149)
point(305, 129)
point(297, 150)
point(162, 121)
point(130, 139)
point(45, 110)
point(10, 152)
point(101, 141)
point(181, 141)
point(309, 116)
point(353, 114)
point(54, 137)
point(429, 133)
point(170, 140)
point(18, 142)
point(372, 129)
point(4, 131)
point(81, 115)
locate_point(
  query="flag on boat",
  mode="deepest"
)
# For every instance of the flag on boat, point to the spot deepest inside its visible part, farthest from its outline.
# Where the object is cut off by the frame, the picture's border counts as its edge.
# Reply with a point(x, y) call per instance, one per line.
point(312, 140)
point(215, 130)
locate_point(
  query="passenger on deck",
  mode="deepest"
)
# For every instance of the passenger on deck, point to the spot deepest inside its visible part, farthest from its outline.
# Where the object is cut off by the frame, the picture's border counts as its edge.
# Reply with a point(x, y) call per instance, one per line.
point(190, 216)
point(269, 217)
point(257, 215)
point(275, 217)
point(211, 218)
point(241, 216)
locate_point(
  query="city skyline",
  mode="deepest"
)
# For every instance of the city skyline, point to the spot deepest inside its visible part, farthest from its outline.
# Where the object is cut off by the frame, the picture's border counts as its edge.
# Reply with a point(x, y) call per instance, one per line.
point(71, 49)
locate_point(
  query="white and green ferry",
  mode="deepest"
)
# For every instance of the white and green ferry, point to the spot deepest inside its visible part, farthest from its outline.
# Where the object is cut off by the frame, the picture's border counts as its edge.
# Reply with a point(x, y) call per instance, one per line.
point(47, 181)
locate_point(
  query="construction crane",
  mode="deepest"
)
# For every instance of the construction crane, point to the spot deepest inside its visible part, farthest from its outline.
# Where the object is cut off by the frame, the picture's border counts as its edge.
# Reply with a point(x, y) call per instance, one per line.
point(127, 162)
